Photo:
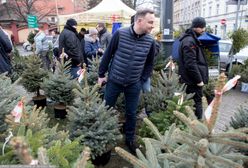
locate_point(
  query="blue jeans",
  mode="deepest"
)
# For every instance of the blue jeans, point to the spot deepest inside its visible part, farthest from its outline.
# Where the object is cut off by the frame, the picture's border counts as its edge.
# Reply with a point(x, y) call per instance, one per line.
point(131, 93)
point(73, 72)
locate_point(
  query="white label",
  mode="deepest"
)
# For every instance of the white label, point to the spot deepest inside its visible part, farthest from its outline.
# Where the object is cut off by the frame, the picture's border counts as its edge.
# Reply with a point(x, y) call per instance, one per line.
point(166, 31)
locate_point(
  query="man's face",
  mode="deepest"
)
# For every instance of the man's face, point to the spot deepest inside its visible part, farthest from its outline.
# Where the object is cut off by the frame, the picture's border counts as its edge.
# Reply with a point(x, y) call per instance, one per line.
point(94, 37)
point(199, 30)
point(146, 23)
point(98, 28)
point(82, 32)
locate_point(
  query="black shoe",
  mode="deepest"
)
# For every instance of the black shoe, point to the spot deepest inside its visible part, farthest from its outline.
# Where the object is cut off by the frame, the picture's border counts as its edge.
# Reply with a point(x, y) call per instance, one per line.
point(131, 147)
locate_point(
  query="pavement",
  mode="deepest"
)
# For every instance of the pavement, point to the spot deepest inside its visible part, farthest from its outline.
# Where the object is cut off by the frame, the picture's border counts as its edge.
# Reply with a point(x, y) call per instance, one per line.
point(22, 51)
point(231, 102)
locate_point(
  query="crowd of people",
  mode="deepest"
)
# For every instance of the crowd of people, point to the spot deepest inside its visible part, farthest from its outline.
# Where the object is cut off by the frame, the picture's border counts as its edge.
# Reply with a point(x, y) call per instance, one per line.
point(128, 57)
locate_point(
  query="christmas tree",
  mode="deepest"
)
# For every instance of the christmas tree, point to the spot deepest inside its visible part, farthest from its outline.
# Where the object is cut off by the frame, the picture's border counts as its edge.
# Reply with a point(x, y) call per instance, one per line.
point(240, 120)
point(200, 147)
point(163, 88)
point(18, 65)
point(33, 138)
point(8, 99)
point(33, 76)
point(93, 70)
point(59, 85)
point(164, 119)
point(91, 118)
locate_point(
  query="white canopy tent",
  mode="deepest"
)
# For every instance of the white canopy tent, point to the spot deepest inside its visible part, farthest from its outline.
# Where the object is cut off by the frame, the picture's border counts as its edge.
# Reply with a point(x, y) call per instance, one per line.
point(107, 11)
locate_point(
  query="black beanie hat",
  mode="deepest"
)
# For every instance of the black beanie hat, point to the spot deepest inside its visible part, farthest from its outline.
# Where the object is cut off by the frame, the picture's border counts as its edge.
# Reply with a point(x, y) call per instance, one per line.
point(198, 22)
point(71, 22)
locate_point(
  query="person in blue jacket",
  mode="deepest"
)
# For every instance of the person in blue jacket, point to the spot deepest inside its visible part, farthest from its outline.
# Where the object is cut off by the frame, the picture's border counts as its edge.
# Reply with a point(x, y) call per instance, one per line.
point(5, 50)
point(129, 62)
point(92, 45)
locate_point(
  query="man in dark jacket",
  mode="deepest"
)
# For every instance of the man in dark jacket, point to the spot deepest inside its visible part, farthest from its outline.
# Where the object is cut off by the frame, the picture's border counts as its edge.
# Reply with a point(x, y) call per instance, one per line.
point(69, 40)
point(103, 34)
point(81, 33)
point(193, 68)
point(129, 60)
point(5, 50)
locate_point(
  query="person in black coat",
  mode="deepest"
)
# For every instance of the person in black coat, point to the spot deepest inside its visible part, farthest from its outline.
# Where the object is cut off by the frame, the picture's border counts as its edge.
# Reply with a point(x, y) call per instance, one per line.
point(5, 50)
point(193, 68)
point(69, 40)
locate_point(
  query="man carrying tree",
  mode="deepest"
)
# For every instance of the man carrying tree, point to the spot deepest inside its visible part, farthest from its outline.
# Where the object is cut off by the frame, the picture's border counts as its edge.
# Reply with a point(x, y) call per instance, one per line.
point(129, 60)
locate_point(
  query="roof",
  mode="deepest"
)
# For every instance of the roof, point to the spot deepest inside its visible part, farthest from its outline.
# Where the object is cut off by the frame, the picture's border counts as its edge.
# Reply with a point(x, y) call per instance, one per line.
point(112, 6)
point(107, 11)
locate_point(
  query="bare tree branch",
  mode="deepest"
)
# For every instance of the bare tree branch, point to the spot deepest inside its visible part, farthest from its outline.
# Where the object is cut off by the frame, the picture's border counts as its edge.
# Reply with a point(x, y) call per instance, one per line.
point(22, 8)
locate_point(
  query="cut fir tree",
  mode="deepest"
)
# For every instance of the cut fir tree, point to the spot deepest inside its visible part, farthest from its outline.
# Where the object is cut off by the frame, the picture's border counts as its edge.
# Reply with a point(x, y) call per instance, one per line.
point(90, 118)
point(32, 78)
point(59, 88)
point(200, 147)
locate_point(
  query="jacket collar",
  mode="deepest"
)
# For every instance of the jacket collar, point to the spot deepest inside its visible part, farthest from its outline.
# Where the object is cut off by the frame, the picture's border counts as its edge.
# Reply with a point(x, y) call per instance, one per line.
point(134, 33)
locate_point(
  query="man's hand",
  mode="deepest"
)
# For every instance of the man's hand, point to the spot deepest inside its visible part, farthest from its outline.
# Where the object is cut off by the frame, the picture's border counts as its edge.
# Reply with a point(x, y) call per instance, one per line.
point(101, 81)
point(200, 84)
point(100, 50)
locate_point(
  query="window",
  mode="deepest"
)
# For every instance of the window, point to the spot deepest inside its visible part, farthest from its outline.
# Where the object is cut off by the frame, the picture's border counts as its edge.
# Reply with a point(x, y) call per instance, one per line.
point(217, 9)
point(226, 8)
point(53, 19)
point(209, 11)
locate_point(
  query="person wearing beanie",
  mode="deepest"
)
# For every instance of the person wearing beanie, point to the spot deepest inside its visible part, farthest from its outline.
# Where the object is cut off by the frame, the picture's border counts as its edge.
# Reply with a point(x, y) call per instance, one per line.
point(69, 40)
point(103, 34)
point(92, 46)
point(193, 67)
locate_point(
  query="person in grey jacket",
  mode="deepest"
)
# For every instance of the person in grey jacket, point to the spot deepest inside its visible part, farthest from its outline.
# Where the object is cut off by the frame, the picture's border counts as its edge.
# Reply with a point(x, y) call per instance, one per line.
point(42, 48)
point(129, 60)
point(104, 35)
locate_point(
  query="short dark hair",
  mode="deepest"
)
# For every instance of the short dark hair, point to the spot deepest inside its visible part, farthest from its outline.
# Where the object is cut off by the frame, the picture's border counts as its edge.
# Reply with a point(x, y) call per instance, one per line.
point(83, 30)
point(142, 13)
point(101, 24)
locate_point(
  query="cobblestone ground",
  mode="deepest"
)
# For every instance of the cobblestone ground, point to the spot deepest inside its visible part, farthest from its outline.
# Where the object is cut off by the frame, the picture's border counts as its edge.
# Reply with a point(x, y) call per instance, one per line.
point(231, 101)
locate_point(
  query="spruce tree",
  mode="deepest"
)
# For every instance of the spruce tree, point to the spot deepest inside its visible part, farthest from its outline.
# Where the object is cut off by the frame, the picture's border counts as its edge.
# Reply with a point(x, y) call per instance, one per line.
point(33, 75)
point(59, 85)
point(164, 119)
point(91, 118)
point(8, 100)
point(33, 138)
point(240, 120)
point(200, 147)
point(163, 88)
point(19, 65)
point(93, 70)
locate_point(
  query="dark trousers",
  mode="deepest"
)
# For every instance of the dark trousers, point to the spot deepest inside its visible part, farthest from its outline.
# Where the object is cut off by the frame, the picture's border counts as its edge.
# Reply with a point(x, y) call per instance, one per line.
point(197, 90)
point(46, 62)
point(131, 93)
point(74, 71)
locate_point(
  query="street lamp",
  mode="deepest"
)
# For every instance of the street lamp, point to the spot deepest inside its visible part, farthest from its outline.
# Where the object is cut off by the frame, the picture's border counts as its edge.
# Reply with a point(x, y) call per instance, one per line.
point(167, 26)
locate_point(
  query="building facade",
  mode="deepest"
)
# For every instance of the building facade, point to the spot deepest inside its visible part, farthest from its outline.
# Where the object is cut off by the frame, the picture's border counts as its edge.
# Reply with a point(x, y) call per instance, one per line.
point(184, 12)
point(219, 14)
